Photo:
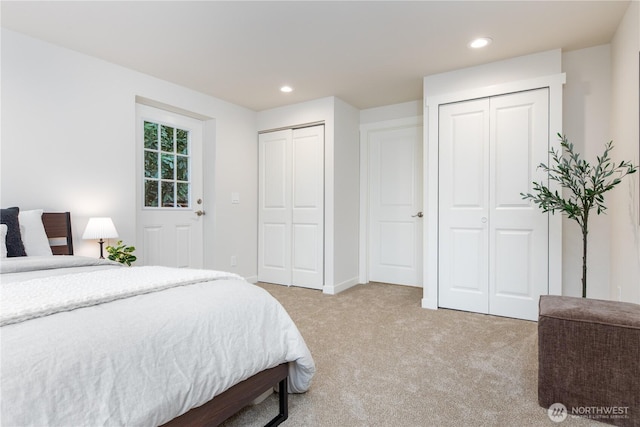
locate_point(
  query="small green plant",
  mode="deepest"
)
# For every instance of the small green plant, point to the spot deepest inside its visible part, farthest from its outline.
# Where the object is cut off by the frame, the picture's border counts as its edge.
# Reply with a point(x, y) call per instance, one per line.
point(121, 253)
point(586, 186)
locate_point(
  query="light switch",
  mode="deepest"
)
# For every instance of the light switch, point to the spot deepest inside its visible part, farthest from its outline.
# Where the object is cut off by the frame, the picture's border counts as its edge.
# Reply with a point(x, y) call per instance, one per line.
point(235, 198)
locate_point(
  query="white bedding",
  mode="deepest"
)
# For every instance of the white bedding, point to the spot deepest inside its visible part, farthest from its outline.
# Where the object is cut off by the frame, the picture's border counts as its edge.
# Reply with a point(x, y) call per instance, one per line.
point(145, 359)
point(27, 299)
point(20, 269)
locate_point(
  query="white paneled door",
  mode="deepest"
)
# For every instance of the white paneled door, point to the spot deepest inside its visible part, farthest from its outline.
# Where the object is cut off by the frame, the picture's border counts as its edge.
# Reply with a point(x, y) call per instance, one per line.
point(395, 205)
point(464, 206)
point(170, 205)
point(493, 245)
point(274, 228)
point(291, 207)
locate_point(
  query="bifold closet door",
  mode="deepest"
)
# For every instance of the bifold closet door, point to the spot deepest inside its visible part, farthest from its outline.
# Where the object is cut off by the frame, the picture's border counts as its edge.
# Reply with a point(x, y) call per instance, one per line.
point(463, 241)
point(291, 207)
point(493, 245)
point(518, 230)
point(274, 201)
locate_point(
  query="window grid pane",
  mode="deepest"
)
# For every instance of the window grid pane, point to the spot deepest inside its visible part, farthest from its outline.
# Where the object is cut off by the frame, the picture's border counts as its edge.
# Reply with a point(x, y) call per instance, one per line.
point(150, 164)
point(168, 194)
point(167, 171)
point(151, 135)
point(151, 193)
point(167, 138)
point(182, 197)
point(166, 166)
point(182, 141)
point(182, 169)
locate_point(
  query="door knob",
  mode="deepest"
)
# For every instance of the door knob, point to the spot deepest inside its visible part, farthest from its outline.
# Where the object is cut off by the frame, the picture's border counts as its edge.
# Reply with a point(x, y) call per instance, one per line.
point(419, 215)
point(199, 212)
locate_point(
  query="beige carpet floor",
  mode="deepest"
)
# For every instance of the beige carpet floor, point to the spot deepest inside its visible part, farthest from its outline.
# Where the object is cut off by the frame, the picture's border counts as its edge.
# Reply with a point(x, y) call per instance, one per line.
point(382, 360)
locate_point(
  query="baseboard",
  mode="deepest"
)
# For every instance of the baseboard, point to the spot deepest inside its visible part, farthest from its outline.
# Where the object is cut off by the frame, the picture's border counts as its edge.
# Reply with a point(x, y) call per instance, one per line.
point(429, 303)
point(252, 279)
point(340, 287)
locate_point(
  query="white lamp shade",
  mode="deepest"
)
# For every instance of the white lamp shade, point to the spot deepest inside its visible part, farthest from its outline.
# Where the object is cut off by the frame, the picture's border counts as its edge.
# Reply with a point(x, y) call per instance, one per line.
point(100, 228)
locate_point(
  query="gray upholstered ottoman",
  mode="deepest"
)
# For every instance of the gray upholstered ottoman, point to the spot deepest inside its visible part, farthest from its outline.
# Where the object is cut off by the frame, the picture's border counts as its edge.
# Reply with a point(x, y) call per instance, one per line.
point(589, 358)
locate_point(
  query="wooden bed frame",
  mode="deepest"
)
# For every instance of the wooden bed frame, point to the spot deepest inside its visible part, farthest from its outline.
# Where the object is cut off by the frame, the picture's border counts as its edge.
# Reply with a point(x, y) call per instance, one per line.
point(224, 405)
point(58, 228)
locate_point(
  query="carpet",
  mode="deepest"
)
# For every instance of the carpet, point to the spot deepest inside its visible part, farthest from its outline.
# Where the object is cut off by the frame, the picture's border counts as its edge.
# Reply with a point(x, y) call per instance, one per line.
point(382, 360)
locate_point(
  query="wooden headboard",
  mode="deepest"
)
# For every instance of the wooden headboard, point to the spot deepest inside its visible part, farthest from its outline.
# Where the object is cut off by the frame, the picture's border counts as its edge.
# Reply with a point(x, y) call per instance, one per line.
point(57, 225)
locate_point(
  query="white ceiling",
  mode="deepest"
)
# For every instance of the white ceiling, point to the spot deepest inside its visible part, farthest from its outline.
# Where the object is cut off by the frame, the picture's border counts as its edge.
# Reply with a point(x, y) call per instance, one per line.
point(368, 53)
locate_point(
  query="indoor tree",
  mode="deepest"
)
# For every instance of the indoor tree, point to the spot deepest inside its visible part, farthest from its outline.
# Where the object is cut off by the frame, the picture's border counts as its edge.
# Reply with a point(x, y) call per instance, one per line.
point(585, 186)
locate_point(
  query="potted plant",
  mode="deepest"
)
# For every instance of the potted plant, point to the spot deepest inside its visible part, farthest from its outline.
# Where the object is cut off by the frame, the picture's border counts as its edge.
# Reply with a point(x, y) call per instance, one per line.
point(585, 186)
point(121, 253)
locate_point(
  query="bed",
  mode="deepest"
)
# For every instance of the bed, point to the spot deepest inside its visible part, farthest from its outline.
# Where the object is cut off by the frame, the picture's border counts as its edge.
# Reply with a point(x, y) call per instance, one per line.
point(154, 346)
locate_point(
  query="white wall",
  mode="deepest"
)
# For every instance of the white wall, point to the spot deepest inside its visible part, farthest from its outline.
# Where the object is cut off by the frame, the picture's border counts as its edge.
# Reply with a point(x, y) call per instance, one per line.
point(346, 196)
point(68, 143)
point(623, 202)
point(391, 112)
point(495, 73)
point(586, 106)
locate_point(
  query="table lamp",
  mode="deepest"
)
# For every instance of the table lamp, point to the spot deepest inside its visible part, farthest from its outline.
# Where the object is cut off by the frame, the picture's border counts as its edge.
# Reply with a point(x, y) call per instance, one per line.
point(100, 228)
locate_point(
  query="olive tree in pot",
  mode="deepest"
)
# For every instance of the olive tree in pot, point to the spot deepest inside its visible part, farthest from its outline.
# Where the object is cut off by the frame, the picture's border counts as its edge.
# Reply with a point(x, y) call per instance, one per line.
point(585, 186)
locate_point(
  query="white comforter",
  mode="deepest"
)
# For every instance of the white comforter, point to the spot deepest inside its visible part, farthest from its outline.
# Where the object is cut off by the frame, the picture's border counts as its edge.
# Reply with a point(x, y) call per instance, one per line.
point(145, 359)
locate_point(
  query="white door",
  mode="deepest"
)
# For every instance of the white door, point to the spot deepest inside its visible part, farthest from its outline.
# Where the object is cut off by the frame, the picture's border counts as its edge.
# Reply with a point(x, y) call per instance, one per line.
point(170, 205)
point(307, 205)
point(463, 237)
point(291, 207)
point(493, 246)
point(519, 231)
point(395, 205)
point(274, 201)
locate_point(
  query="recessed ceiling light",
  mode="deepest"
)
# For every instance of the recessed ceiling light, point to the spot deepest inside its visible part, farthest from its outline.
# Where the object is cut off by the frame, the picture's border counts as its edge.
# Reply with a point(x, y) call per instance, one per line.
point(480, 42)
point(286, 89)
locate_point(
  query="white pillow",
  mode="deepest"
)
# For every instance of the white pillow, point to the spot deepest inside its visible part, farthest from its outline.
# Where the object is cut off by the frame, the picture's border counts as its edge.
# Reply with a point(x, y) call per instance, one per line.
point(3, 240)
point(36, 242)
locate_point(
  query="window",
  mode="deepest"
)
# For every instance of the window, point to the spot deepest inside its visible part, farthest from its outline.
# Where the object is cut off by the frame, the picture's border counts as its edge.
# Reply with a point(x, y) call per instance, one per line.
point(166, 166)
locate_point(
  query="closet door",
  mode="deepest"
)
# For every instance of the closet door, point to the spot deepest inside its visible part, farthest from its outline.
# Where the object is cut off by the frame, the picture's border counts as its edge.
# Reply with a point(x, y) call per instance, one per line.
point(519, 231)
point(274, 201)
point(291, 207)
point(464, 206)
point(493, 246)
point(307, 207)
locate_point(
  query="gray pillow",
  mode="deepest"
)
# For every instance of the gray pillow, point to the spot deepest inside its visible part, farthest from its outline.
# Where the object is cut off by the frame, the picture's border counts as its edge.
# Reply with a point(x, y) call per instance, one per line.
point(15, 247)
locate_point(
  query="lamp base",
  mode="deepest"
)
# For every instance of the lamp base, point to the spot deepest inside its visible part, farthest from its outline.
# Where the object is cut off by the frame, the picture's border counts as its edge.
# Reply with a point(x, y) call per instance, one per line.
point(101, 243)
